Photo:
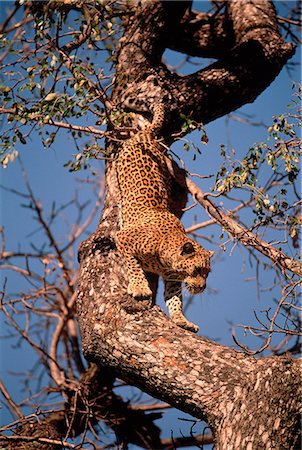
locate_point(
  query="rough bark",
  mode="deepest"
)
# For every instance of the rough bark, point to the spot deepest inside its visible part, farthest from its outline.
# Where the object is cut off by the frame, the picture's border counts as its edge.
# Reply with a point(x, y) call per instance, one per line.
point(249, 403)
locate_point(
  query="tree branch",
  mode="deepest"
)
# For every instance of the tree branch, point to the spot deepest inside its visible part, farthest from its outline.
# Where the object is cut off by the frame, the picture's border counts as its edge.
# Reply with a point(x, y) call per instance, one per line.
point(241, 74)
point(195, 375)
point(179, 442)
point(199, 34)
point(49, 121)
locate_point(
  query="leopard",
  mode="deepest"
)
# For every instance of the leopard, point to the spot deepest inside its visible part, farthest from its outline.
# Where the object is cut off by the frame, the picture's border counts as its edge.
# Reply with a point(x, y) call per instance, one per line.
point(151, 238)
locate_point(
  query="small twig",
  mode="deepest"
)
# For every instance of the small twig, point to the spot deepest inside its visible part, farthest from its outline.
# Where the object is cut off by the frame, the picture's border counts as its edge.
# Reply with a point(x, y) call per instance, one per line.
point(207, 223)
point(87, 129)
point(195, 203)
point(48, 231)
point(13, 407)
point(9, 18)
point(152, 407)
point(57, 373)
point(73, 336)
point(8, 255)
point(87, 222)
point(41, 351)
point(37, 439)
point(198, 226)
point(49, 121)
point(271, 330)
point(10, 45)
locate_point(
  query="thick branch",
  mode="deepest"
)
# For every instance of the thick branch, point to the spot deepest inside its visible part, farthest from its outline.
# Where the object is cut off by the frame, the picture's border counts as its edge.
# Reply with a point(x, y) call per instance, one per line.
point(137, 341)
point(197, 376)
point(241, 74)
point(199, 34)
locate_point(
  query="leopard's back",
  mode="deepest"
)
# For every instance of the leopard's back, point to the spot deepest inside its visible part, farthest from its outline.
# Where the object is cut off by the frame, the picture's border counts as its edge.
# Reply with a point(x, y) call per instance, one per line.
point(143, 177)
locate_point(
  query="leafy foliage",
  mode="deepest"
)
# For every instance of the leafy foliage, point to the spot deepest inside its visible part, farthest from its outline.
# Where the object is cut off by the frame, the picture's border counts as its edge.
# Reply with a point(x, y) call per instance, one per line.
point(59, 75)
point(281, 155)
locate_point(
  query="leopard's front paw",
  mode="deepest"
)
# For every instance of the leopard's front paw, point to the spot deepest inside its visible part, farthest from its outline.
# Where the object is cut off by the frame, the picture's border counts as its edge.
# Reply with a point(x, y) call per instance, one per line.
point(184, 323)
point(174, 305)
point(139, 290)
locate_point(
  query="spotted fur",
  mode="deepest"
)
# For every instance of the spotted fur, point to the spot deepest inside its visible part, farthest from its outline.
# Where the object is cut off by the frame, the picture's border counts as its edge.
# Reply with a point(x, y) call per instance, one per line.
point(151, 238)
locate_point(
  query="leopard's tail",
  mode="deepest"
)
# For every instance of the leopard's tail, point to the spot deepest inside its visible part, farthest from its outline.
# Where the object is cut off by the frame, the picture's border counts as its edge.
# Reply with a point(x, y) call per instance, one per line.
point(158, 118)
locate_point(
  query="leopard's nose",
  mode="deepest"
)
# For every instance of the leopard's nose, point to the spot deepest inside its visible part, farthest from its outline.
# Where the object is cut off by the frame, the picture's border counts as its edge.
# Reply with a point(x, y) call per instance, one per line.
point(198, 286)
point(202, 284)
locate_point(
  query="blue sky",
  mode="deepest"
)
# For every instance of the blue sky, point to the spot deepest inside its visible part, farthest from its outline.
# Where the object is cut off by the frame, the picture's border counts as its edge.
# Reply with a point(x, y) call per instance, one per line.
point(231, 296)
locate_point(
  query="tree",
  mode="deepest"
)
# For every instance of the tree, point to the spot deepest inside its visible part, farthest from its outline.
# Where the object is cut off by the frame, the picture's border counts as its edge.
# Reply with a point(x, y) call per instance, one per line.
point(248, 402)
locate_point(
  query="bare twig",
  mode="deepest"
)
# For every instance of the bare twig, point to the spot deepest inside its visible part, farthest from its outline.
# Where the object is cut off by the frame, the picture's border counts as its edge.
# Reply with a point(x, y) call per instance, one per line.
point(38, 440)
point(48, 231)
point(286, 291)
point(11, 403)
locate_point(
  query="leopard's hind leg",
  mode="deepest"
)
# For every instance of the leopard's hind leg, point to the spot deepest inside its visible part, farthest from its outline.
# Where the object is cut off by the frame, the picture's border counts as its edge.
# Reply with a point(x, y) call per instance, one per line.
point(173, 300)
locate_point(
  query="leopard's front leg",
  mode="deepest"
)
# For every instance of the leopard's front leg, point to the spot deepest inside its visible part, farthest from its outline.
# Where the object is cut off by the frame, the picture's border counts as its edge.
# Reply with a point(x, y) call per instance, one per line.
point(173, 300)
point(138, 285)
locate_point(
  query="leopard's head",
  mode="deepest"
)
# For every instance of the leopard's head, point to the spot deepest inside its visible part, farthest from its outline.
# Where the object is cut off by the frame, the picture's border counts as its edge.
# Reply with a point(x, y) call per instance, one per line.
point(189, 262)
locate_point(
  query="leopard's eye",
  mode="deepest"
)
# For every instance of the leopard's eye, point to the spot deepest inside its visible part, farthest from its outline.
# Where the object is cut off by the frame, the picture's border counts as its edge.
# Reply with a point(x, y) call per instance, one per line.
point(187, 248)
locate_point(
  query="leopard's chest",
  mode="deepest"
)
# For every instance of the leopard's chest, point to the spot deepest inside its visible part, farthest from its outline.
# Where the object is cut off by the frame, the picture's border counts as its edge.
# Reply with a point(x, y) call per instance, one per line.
point(154, 264)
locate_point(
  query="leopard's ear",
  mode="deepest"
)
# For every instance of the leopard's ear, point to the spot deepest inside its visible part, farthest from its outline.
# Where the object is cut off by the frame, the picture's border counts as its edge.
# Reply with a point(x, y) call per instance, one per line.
point(187, 248)
point(211, 253)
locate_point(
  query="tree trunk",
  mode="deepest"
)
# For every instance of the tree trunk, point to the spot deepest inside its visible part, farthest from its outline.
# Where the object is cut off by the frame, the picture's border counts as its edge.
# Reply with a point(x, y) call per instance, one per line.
point(249, 403)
